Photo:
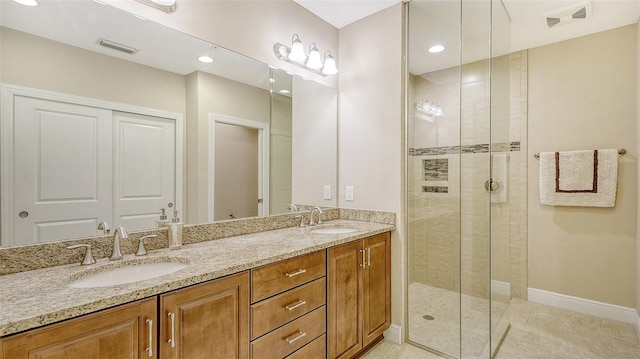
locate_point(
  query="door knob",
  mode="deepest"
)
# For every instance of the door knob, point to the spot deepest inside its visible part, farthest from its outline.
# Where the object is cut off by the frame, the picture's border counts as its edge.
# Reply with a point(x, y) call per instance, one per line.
point(23, 214)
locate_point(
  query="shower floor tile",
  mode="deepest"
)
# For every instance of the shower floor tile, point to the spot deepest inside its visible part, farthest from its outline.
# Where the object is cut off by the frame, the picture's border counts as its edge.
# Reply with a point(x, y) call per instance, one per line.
point(542, 332)
point(443, 331)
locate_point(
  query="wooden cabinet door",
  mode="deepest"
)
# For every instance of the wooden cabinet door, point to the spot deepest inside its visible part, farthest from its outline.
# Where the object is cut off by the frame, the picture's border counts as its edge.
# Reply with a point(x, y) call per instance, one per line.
point(122, 332)
point(377, 286)
point(208, 320)
point(344, 295)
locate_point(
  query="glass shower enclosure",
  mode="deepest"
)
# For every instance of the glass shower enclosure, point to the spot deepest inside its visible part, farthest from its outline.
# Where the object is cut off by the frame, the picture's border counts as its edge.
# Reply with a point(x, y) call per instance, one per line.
point(458, 134)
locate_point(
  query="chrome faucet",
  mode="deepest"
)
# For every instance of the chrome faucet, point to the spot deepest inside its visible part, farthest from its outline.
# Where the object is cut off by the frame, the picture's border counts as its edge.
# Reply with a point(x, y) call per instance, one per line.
point(104, 227)
point(311, 220)
point(293, 208)
point(118, 233)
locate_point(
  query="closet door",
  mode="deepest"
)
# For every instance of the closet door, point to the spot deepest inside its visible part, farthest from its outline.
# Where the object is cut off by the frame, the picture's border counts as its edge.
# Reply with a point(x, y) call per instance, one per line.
point(144, 169)
point(62, 158)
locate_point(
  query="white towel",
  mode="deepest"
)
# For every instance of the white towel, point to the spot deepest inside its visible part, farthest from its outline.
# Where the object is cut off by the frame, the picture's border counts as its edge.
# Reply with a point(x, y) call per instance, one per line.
point(585, 178)
point(499, 175)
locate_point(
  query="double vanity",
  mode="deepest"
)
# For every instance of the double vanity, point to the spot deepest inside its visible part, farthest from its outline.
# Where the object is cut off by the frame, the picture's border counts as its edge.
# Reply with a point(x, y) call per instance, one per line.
point(313, 292)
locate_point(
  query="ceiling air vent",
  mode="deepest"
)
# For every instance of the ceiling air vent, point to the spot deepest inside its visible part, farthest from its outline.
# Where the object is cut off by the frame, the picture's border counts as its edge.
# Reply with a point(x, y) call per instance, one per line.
point(568, 15)
point(116, 46)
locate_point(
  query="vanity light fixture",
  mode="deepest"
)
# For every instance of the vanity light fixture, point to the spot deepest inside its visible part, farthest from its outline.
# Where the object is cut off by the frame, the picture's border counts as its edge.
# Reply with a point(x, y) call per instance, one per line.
point(295, 55)
point(27, 2)
point(167, 6)
point(436, 49)
point(429, 108)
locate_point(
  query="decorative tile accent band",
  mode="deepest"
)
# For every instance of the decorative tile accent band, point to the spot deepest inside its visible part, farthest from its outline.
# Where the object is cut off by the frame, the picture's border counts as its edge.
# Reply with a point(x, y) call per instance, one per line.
point(435, 189)
point(436, 169)
point(454, 150)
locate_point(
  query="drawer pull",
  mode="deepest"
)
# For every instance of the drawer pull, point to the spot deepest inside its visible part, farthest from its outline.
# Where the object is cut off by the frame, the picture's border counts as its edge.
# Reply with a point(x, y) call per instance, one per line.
point(149, 349)
point(292, 306)
point(364, 260)
point(369, 256)
point(298, 272)
point(172, 340)
point(296, 337)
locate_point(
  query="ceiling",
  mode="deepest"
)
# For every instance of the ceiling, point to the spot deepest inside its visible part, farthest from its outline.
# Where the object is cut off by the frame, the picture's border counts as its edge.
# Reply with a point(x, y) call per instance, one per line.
point(518, 25)
point(340, 13)
point(438, 21)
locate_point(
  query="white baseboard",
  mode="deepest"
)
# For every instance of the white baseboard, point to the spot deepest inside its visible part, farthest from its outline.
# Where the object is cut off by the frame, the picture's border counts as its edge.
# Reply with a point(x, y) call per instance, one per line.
point(586, 306)
point(502, 288)
point(394, 334)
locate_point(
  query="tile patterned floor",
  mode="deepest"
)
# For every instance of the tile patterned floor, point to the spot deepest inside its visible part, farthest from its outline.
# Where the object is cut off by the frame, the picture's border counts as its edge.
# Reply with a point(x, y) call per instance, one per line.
point(543, 332)
point(442, 332)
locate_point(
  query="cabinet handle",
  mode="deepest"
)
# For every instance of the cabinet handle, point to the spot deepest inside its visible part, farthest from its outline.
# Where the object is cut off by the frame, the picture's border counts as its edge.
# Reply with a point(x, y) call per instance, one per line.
point(298, 272)
point(172, 340)
point(150, 340)
point(292, 306)
point(369, 256)
point(297, 336)
point(364, 261)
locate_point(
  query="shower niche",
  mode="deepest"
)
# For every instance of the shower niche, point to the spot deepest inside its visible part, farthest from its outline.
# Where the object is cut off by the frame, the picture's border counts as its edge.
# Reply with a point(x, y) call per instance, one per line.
point(459, 232)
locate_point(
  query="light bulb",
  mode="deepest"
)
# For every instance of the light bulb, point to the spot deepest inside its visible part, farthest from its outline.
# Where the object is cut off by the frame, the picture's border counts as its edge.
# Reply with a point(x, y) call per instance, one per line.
point(314, 61)
point(297, 50)
point(329, 64)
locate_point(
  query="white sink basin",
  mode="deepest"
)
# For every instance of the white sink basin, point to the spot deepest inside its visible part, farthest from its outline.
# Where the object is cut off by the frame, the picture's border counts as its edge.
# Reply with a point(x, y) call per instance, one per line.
point(128, 274)
point(333, 230)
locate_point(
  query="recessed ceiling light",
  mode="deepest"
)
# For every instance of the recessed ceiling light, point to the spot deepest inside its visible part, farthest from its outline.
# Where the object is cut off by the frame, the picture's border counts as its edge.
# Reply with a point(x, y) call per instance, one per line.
point(164, 2)
point(285, 91)
point(436, 48)
point(27, 2)
point(205, 59)
point(272, 80)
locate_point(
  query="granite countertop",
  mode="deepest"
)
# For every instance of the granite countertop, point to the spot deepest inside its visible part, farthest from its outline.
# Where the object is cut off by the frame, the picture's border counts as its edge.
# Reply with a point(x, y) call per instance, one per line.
point(39, 297)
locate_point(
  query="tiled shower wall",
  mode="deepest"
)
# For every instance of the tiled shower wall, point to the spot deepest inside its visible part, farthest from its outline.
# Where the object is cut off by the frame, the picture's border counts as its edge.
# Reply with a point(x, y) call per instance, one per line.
point(448, 166)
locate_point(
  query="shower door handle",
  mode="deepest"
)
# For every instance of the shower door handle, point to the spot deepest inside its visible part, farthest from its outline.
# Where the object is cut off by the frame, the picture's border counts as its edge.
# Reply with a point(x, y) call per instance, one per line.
point(492, 185)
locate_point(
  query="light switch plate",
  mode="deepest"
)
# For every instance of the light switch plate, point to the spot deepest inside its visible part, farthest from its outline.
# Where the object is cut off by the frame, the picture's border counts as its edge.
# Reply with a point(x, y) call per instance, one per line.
point(327, 192)
point(349, 193)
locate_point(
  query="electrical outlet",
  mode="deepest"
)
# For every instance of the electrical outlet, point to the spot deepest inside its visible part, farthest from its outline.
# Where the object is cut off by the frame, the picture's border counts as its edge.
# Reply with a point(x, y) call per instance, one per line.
point(349, 193)
point(327, 192)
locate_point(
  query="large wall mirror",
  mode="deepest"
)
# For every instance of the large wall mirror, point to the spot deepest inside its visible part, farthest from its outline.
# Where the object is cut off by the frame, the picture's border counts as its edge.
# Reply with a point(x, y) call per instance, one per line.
point(110, 117)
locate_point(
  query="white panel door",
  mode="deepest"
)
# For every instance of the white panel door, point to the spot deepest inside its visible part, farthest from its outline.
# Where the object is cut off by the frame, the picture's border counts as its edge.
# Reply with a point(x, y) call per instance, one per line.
point(144, 169)
point(62, 177)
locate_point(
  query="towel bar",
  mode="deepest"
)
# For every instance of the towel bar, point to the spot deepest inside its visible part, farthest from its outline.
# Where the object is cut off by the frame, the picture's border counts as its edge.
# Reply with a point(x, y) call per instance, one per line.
point(621, 151)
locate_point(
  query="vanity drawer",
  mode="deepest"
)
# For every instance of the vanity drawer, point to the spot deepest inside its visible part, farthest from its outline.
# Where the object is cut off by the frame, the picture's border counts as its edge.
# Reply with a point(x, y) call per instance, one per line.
point(290, 337)
point(278, 277)
point(273, 312)
point(317, 349)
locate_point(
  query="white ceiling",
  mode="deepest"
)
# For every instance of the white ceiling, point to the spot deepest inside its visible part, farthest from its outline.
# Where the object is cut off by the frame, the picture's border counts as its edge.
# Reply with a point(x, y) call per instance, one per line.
point(438, 21)
point(81, 23)
point(340, 13)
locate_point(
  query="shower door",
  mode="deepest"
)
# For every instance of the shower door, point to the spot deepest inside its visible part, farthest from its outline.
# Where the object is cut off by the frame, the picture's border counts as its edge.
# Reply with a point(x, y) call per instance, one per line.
point(458, 148)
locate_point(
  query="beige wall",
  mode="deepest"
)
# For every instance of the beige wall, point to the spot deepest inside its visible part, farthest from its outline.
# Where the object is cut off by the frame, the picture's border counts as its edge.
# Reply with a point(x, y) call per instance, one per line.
point(314, 143)
point(207, 94)
point(370, 126)
point(280, 154)
point(236, 173)
point(582, 96)
point(250, 27)
point(39, 63)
